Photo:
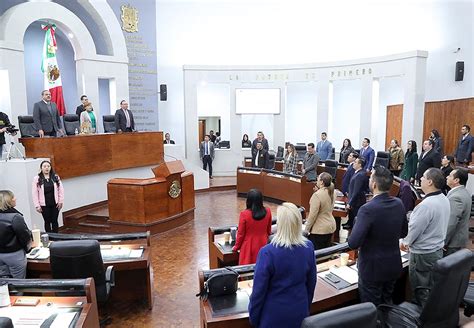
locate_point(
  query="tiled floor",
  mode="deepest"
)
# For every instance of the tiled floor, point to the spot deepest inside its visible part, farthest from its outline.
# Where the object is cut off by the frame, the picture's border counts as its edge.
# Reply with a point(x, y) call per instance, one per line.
point(177, 257)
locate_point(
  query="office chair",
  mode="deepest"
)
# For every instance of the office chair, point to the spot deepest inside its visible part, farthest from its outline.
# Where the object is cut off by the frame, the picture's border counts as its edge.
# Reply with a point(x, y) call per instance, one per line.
point(109, 123)
point(354, 316)
point(330, 166)
point(6, 322)
point(300, 150)
point(280, 153)
point(468, 300)
point(271, 160)
point(75, 259)
point(382, 159)
point(71, 123)
point(224, 144)
point(27, 127)
point(450, 280)
point(333, 153)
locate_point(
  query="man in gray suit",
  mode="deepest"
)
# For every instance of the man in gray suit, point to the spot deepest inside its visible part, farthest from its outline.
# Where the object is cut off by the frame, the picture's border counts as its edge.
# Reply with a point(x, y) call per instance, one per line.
point(310, 162)
point(46, 116)
point(206, 152)
point(460, 202)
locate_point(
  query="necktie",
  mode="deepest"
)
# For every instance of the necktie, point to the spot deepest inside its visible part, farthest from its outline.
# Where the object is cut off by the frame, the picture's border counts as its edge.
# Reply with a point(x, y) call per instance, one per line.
point(362, 152)
point(50, 108)
point(127, 117)
point(256, 158)
point(206, 152)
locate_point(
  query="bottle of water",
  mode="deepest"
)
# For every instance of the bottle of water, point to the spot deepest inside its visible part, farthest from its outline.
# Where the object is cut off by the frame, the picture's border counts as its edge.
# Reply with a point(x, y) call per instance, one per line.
point(76, 132)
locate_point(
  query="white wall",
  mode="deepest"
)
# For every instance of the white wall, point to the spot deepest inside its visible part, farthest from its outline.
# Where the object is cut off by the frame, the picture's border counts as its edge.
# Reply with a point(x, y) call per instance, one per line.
point(284, 32)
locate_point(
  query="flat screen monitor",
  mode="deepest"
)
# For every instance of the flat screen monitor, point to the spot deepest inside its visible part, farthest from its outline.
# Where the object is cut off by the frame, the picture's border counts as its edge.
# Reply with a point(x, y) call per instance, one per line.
point(257, 101)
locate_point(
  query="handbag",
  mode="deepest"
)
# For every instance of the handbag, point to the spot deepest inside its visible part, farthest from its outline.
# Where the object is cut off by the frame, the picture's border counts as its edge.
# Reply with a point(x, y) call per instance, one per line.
point(220, 283)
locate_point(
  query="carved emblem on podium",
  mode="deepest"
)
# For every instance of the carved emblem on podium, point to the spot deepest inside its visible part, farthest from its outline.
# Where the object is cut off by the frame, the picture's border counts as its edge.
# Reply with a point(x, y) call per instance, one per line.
point(129, 18)
point(175, 189)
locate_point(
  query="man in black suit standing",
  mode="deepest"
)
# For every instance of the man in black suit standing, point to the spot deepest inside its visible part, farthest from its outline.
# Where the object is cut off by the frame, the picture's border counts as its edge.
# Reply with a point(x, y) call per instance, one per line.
point(260, 157)
point(206, 152)
point(428, 158)
point(46, 116)
point(260, 138)
point(376, 234)
point(356, 193)
point(81, 108)
point(124, 118)
point(465, 147)
point(168, 140)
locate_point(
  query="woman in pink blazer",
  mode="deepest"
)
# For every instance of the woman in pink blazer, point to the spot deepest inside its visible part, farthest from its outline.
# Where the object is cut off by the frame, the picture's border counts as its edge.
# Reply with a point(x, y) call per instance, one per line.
point(48, 196)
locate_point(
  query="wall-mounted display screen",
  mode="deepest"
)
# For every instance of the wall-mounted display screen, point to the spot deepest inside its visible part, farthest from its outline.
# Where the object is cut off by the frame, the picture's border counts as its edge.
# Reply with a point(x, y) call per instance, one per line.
point(257, 101)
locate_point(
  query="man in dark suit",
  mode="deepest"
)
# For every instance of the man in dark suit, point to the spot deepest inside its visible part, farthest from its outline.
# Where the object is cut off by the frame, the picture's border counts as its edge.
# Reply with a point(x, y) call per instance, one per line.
point(356, 193)
point(428, 158)
point(46, 116)
point(168, 140)
point(206, 152)
point(346, 179)
point(81, 108)
point(260, 138)
point(376, 234)
point(465, 147)
point(124, 121)
point(260, 157)
point(368, 154)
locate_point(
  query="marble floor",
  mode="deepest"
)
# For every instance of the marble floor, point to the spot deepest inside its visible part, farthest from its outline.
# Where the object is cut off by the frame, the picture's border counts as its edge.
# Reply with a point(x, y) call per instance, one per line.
point(177, 256)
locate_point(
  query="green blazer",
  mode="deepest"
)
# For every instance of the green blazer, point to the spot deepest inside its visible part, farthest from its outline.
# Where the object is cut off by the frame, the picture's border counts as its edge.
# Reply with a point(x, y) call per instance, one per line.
point(409, 169)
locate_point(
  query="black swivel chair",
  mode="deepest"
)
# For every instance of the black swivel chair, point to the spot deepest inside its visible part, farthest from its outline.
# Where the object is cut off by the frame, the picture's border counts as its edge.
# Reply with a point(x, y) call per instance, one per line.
point(75, 259)
point(382, 159)
point(6, 322)
point(109, 123)
point(300, 150)
point(26, 124)
point(450, 279)
point(333, 154)
point(330, 166)
point(271, 160)
point(71, 123)
point(279, 154)
point(354, 316)
point(469, 300)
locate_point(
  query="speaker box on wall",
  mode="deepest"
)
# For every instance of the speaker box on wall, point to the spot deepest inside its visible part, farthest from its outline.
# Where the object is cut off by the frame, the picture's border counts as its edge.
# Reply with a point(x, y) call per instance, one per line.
point(459, 71)
point(163, 92)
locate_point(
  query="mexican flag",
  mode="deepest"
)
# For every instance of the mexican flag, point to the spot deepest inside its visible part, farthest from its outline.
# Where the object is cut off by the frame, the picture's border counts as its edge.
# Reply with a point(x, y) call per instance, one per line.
point(50, 69)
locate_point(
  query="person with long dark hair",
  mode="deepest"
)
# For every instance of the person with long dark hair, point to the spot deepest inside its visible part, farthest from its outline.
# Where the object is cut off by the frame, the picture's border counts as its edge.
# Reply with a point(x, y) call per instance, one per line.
point(320, 224)
point(255, 225)
point(438, 141)
point(15, 238)
point(411, 162)
point(346, 149)
point(246, 143)
point(48, 195)
point(290, 160)
point(397, 158)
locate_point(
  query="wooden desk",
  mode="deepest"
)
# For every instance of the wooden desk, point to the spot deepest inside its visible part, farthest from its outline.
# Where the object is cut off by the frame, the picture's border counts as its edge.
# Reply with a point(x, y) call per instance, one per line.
point(88, 318)
point(275, 186)
point(133, 277)
point(101, 152)
point(325, 298)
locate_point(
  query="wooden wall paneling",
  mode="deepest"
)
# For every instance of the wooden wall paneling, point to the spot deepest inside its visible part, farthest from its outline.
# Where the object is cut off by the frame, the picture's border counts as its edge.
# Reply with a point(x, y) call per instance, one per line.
point(394, 124)
point(448, 117)
point(126, 201)
point(187, 190)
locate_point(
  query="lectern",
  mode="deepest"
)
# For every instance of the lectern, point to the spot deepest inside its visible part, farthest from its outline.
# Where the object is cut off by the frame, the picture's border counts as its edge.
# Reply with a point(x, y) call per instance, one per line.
point(155, 204)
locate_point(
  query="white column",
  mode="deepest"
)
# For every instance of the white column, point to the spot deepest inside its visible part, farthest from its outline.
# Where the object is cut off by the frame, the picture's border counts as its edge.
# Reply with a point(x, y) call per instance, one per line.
point(414, 100)
point(279, 121)
point(322, 112)
point(366, 109)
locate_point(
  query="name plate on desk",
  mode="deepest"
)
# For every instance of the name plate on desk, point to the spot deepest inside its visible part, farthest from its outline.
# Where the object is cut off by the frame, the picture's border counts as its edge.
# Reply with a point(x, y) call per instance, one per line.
point(249, 172)
point(275, 175)
point(295, 179)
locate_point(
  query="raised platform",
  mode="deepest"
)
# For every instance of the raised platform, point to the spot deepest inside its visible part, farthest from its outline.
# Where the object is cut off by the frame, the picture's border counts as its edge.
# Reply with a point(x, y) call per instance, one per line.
point(94, 218)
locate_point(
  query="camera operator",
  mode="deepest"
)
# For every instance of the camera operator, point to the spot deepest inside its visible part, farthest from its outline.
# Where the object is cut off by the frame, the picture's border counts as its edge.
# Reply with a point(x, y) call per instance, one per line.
point(4, 123)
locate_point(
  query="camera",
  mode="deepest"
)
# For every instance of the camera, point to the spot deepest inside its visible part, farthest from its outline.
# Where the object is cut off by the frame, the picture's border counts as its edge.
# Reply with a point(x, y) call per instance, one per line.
point(11, 129)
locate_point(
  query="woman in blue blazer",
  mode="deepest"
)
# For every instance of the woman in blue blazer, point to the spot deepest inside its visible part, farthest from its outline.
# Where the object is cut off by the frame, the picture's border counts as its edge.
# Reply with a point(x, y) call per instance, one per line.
point(285, 275)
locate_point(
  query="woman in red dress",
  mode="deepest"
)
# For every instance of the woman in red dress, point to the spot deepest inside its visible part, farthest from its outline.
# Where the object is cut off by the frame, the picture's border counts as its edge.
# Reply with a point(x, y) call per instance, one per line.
point(255, 225)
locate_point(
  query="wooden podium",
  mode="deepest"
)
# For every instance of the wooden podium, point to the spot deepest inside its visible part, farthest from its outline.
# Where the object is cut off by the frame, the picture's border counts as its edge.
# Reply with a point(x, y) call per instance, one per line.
point(156, 204)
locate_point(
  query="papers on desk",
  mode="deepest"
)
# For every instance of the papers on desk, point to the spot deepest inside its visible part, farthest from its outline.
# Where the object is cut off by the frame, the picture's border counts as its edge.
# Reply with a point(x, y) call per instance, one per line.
point(249, 172)
point(346, 273)
point(295, 179)
point(38, 253)
point(40, 316)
